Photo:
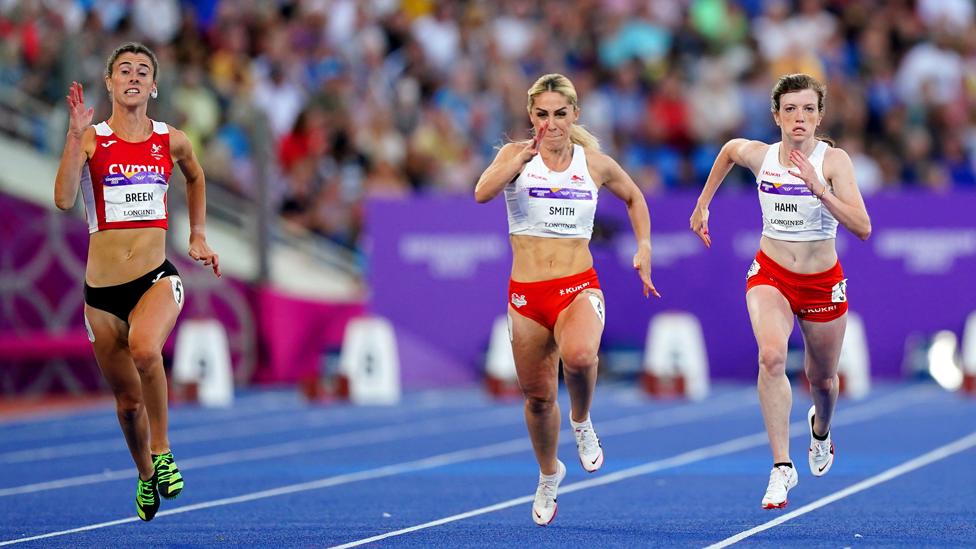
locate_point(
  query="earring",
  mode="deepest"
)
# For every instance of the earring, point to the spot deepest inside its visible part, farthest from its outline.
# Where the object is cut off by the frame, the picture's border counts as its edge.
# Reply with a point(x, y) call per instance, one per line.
point(153, 94)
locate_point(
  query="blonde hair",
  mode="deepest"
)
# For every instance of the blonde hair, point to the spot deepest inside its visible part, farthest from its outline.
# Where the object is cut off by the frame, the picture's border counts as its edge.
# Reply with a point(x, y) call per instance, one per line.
point(561, 85)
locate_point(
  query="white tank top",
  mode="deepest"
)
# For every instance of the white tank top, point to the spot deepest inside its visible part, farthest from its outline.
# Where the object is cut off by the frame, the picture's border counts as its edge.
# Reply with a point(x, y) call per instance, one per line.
point(553, 204)
point(789, 209)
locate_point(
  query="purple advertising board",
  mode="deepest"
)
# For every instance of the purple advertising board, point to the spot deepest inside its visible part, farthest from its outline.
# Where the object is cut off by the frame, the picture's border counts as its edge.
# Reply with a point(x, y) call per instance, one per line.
point(439, 269)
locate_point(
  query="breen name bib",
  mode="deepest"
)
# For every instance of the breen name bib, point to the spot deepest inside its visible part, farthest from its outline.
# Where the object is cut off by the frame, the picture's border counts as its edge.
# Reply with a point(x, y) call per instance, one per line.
point(134, 196)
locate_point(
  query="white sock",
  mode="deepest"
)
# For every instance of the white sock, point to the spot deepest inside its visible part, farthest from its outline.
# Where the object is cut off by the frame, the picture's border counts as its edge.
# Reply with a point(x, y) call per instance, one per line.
point(551, 479)
point(583, 424)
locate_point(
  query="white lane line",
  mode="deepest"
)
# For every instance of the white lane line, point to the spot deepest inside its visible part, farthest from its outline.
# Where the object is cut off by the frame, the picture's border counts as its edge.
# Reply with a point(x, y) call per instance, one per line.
point(63, 421)
point(261, 404)
point(237, 429)
point(856, 414)
point(939, 453)
point(289, 420)
point(660, 418)
point(378, 435)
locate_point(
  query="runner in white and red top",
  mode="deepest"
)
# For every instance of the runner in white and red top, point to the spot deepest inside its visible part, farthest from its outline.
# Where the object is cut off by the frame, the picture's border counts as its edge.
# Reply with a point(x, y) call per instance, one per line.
point(556, 308)
point(806, 187)
point(133, 294)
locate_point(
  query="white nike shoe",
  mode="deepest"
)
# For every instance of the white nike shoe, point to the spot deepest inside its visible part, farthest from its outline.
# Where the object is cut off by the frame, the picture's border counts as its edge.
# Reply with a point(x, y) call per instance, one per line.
point(781, 479)
point(821, 451)
point(588, 445)
point(544, 507)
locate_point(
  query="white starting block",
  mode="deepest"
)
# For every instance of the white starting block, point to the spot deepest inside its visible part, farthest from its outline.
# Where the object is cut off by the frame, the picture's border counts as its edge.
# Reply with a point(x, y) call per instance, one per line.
point(675, 360)
point(201, 362)
point(370, 361)
point(969, 355)
point(501, 377)
point(854, 367)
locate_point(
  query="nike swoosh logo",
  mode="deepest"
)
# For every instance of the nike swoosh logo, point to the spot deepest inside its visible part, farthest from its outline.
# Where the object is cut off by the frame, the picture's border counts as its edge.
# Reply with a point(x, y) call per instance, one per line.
point(108, 143)
point(160, 275)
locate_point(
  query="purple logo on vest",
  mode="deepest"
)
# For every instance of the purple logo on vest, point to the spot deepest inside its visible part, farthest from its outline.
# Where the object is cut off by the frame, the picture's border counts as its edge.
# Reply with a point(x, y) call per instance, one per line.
point(783, 188)
point(560, 194)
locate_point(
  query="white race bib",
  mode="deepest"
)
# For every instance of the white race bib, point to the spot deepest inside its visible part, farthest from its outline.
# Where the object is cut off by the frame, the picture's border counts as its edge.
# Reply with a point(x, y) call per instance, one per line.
point(137, 197)
point(790, 212)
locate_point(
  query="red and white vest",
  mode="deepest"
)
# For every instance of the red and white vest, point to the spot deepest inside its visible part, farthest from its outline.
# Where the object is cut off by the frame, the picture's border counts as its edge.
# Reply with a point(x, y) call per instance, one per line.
point(125, 184)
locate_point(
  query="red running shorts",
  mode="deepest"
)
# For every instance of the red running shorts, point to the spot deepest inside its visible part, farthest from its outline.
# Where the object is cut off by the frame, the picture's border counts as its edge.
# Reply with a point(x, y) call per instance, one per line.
point(819, 297)
point(543, 301)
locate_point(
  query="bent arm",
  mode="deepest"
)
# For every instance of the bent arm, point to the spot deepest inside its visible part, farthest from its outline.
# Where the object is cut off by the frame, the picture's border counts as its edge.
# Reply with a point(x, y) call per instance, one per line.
point(845, 203)
point(743, 152)
point(196, 194)
point(623, 187)
point(76, 153)
point(506, 166)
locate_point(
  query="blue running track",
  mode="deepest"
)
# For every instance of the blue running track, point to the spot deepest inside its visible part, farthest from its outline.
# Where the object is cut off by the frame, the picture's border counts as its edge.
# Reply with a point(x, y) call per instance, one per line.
point(455, 469)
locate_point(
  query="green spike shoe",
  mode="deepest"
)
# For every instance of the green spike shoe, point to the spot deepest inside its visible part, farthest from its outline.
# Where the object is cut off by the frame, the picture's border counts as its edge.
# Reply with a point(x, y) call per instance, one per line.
point(170, 479)
point(147, 499)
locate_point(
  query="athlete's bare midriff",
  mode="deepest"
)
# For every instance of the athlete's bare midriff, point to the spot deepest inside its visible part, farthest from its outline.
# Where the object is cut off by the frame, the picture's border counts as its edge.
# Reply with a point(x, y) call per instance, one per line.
point(537, 258)
point(811, 257)
point(117, 256)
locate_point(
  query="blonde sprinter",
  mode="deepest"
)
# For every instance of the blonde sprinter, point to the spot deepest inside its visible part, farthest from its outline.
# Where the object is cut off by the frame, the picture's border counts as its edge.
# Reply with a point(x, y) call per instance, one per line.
point(556, 309)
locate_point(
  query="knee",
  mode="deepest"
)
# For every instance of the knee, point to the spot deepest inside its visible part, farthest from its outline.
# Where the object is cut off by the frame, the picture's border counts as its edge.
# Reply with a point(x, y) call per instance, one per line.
point(128, 404)
point(578, 359)
point(824, 385)
point(146, 359)
point(539, 402)
point(772, 361)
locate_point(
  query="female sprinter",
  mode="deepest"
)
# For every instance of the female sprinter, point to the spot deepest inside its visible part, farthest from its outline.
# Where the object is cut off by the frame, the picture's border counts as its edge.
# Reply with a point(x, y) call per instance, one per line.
point(806, 186)
point(133, 294)
point(556, 308)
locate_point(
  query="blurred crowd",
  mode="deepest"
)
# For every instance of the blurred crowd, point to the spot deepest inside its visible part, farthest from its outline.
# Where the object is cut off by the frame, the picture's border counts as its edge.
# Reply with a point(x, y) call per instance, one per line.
point(391, 97)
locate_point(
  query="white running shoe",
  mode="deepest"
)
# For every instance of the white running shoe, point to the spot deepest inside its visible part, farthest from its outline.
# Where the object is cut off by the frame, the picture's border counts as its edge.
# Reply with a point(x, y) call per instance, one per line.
point(821, 451)
point(781, 479)
point(544, 507)
point(587, 444)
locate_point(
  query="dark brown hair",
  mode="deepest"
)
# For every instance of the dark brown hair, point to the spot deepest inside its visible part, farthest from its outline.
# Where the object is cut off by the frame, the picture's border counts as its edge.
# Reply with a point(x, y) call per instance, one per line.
point(789, 83)
point(136, 48)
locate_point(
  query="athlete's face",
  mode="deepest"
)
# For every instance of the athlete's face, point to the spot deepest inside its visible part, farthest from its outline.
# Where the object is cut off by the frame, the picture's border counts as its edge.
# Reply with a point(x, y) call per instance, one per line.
point(799, 114)
point(554, 108)
point(132, 79)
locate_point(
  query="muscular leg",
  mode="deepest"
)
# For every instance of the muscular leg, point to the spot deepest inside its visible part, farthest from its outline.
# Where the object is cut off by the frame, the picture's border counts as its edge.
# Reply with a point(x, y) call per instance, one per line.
point(772, 323)
point(150, 323)
point(577, 333)
point(823, 341)
point(112, 353)
point(537, 367)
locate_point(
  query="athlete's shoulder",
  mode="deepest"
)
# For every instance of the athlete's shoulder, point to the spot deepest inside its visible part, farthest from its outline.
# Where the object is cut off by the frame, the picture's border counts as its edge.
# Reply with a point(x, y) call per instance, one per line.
point(834, 154)
point(509, 150)
point(179, 143)
point(749, 153)
point(89, 142)
point(836, 162)
point(597, 159)
point(751, 146)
